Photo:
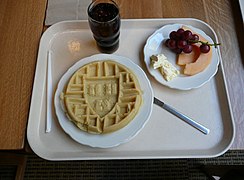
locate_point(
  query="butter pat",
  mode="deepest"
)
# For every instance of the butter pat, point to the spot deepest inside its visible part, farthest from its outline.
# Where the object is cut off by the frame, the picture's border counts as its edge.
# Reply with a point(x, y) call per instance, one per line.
point(158, 60)
point(167, 69)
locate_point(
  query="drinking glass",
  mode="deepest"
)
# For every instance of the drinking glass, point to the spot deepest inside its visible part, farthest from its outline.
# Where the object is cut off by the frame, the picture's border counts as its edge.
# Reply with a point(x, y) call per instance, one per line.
point(104, 22)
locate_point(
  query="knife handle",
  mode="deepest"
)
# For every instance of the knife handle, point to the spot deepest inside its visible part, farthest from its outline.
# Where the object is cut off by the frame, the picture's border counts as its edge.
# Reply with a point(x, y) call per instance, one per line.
point(186, 119)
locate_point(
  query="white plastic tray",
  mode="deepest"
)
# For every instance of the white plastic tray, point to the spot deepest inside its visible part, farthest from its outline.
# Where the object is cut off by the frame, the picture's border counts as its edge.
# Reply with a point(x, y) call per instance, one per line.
point(164, 136)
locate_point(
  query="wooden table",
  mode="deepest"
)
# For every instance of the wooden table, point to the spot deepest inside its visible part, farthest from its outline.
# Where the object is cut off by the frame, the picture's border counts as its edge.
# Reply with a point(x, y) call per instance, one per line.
point(22, 24)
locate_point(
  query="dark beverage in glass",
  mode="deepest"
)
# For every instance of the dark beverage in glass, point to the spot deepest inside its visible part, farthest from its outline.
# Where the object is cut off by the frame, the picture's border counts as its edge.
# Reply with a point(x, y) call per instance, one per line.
point(104, 21)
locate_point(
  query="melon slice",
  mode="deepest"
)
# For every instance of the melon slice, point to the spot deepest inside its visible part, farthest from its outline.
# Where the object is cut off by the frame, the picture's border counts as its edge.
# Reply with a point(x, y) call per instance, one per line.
point(195, 62)
point(187, 58)
point(199, 65)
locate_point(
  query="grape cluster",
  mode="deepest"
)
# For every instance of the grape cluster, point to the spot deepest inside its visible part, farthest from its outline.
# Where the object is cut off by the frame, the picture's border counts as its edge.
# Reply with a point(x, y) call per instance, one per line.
point(182, 40)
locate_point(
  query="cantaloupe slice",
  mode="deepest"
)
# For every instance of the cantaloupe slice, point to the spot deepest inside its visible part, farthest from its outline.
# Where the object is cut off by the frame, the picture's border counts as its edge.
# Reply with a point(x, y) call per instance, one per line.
point(195, 62)
point(187, 58)
point(199, 65)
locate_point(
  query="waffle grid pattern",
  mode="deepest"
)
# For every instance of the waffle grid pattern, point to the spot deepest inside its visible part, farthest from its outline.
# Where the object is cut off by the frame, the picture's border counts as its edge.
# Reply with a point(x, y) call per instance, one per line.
point(102, 97)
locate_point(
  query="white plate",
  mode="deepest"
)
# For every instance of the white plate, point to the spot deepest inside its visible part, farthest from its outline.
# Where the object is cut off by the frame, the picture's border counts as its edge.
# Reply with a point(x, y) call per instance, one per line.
point(154, 45)
point(121, 136)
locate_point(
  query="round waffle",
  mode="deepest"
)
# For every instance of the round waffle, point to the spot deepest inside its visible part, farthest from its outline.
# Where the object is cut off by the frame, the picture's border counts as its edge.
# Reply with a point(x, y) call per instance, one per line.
point(102, 97)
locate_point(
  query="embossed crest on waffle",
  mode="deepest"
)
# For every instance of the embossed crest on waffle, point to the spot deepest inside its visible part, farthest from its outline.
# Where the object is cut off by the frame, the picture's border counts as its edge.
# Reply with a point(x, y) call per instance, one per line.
point(102, 97)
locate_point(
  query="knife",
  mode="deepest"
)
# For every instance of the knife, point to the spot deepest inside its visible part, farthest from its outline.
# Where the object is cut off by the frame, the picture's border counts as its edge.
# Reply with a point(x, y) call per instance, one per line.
point(178, 114)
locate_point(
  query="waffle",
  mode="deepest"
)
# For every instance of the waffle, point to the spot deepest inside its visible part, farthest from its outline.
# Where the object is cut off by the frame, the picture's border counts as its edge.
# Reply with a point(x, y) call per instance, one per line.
point(102, 97)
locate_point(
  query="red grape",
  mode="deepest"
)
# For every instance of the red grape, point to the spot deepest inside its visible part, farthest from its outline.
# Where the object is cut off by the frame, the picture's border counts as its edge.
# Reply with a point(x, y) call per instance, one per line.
point(180, 31)
point(181, 44)
point(181, 41)
point(187, 35)
point(195, 37)
point(187, 48)
point(172, 44)
point(166, 42)
point(173, 35)
point(177, 50)
point(204, 48)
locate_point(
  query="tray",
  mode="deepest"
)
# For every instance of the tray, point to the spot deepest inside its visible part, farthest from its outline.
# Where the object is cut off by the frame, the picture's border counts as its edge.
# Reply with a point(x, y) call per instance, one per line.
point(164, 136)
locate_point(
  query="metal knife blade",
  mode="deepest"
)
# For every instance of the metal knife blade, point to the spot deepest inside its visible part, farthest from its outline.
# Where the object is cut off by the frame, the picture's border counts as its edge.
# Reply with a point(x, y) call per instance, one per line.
point(178, 114)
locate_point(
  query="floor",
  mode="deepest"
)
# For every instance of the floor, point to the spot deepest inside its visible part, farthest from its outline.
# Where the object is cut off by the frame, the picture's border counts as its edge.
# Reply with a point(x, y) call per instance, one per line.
point(38, 168)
